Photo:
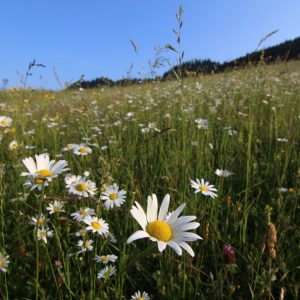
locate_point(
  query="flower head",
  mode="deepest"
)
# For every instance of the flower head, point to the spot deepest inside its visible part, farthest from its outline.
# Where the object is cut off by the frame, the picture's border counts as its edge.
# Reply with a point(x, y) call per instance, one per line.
point(96, 224)
point(78, 185)
point(3, 262)
point(81, 150)
point(106, 272)
point(140, 296)
point(5, 121)
point(85, 246)
point(223, 173)
point(55, 207)
point(43, 169)
point(82, 213)
point(170, 232)
point(105, 259)
point(113, 197)
point(43, 233)
point(204, 188)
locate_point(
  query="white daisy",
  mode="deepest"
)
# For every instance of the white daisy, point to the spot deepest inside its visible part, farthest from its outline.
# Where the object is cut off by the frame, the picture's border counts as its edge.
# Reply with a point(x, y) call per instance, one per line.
point(106, 272)
point(55, 207)
point(170, 232)
point(204, 188)
point(82, 213)
point(43, 233)
point(96, 225)
point(105, 259)
point(78, 185)
point(81, 233)
point(3, 262)
point(82, 149)
point(5, 121)
point(43, 168)
point(39, 220)
point(12, 146)
point(84, 246)
point(69, 147)
point(223, 173)
point(140, 296)
point(113, 197)
point(35, 183)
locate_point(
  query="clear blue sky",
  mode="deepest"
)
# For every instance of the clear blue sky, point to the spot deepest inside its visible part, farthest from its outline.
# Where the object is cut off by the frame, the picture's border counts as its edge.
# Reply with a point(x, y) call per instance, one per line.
point(92, 37)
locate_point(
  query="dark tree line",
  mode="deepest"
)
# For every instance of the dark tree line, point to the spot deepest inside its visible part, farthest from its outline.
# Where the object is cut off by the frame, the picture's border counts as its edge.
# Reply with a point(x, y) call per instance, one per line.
point(289, 50)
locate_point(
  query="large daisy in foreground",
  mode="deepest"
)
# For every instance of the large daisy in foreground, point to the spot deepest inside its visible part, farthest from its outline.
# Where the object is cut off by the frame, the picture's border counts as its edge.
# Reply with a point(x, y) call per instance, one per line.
point(166, 231)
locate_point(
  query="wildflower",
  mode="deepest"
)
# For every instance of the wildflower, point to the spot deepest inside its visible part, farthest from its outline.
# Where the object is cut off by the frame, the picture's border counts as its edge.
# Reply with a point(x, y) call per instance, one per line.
point(111, 238)
point(223, 173)
point(35, 183)
point(69, 147)
point(81, 232)
point(283, 190)
point(204, 188)
point(107, 272)
point(5, 121)
point(43, 233)
point(105, 259)
point(82, 149)
point(201, 123)
point(140, 296)
point(43, 169)
point(12, 146)
point(78, 185)
point(113, 197)
point(3, 262)
point(39, 220)
point(82, 213)
point(85, 246)
point(229, 254)
point(170, 232)
point(96, 225)
point(55, 207)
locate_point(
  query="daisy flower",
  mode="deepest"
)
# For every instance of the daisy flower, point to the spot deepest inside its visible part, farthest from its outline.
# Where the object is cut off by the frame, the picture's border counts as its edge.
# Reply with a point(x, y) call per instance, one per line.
point(55, 207)
point(69, 147)
point(3, 262)
point(85, 246)
point(204, 188)
point(96, 225)
point(106, 272)
point(39, 220)
point(223, 173)
point(170, 232)
point(82, 213)
point(43, 168)
point(12, 146)
point(5, 121)
point(113, 197)
point(81, 233)
point(140, 296)
point(43, 233)
point(36, 183)
point(82, 149)
point(105, 259)
point(78, 185)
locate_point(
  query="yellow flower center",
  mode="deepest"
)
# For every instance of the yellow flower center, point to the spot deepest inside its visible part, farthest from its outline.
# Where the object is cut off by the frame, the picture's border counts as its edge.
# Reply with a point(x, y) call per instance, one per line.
point(113, 196)
point(160, 230)
point(87, 244)
point(81, 187)
point(45, 173)
point(38, 180)
point(1, 263)
point(42, 234)
point(82, 150)
point(40, 222)
point(56, 209)
point(82, 212)
point(140, 298)
point(96, 225)
point(203, 188)
point(105, 258)
point(4, 122)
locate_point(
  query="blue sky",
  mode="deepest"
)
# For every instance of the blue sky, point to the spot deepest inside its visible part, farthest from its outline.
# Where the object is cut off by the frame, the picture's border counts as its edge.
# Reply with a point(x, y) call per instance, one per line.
point(92, 37)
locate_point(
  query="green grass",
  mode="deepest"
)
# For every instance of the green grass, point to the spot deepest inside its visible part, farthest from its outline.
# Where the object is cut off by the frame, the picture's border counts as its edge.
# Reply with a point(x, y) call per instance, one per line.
point(260, 104)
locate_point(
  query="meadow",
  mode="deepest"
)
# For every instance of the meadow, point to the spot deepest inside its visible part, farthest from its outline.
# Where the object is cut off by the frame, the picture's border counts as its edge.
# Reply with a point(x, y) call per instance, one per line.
point(64, 237)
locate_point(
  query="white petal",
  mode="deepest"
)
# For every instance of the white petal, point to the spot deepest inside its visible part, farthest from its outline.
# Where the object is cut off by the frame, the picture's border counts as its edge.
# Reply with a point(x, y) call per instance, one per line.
point(176, 213)
point(164, 208)
point(154, 208)
point(29, 164)
point(149, 205)
point(140, 234)
point(182, 220)
point(140, 218)
point(161, 246)
point(175, 247)
point(187, 248)
point(185, 227)
point(187, 236)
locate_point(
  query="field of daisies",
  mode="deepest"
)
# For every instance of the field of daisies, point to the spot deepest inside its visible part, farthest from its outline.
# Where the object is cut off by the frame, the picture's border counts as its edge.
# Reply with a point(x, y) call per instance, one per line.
point(174, 190)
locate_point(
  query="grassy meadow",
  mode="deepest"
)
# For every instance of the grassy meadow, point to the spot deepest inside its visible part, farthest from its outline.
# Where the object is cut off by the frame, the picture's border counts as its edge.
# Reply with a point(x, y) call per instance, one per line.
point(154, 139)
